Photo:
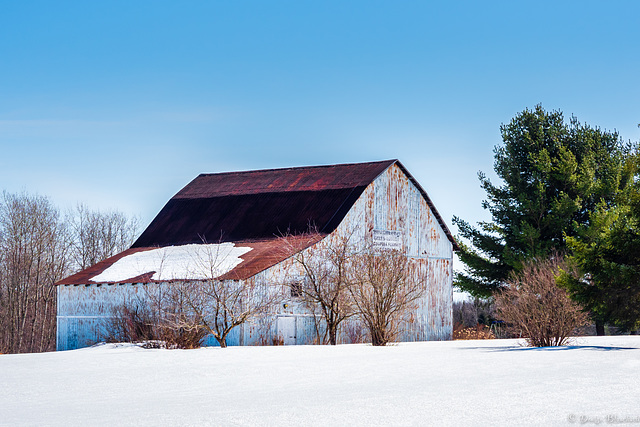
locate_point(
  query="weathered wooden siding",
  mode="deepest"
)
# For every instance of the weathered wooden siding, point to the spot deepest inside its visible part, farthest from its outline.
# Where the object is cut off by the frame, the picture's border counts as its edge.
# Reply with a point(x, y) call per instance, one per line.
point(425, 243)
point(83, 311)
point(390, 202)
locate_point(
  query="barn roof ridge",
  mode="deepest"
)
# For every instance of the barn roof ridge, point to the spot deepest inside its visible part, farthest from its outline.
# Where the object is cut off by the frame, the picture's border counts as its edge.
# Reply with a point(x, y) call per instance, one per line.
point(287, 168)
point(286, 180)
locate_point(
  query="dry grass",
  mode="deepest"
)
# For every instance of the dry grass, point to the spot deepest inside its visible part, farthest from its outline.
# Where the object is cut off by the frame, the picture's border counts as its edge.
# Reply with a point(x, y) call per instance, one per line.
point(479, 332)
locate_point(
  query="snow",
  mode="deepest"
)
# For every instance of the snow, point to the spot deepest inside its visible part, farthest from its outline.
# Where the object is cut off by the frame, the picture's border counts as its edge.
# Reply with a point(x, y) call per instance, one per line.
point(196, 262)
point(461, 296)
point(461, 383)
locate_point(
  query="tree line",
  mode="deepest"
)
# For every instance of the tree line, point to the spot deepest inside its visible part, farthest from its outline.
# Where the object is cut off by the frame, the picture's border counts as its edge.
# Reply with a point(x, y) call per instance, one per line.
point(39, 245)
point(567, 190)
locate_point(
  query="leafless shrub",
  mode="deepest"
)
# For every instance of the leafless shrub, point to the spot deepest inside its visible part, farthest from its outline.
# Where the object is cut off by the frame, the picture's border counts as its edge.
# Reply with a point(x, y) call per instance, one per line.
point(355, 333)
point(136, 323)
point(472, 313)
point(130, 324)
point(185, 337)
point(384, 292)
point(536, 308)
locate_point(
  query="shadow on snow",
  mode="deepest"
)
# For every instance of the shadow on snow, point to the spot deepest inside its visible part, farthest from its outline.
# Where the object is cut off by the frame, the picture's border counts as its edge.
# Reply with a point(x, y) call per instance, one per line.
point(557, 348)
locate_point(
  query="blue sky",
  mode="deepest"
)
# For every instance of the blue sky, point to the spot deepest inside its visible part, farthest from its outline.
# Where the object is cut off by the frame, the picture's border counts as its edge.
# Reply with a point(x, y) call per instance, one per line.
point(120, 104)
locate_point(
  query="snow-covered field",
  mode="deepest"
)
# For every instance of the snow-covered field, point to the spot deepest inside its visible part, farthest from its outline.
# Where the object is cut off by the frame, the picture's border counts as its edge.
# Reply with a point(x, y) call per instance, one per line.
point(497, 382)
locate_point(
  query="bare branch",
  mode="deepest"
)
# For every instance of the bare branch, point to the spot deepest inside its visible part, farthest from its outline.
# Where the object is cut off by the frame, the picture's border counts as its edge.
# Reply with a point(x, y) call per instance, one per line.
point(384, 290)
point(323, 285)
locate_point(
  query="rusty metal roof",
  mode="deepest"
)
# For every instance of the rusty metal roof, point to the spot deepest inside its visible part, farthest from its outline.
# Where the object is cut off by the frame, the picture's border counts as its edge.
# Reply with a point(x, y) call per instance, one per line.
point(255, 208)
point(229, 207)
point(298, 179)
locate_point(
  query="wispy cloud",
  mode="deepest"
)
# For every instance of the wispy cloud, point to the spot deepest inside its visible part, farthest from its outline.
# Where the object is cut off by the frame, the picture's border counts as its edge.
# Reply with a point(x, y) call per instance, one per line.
point(177, 116)
point(55, 122)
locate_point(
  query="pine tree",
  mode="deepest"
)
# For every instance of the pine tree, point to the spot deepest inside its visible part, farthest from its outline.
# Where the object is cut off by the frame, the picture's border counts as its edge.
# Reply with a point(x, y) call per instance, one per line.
point(607, 249)
point(554, 175)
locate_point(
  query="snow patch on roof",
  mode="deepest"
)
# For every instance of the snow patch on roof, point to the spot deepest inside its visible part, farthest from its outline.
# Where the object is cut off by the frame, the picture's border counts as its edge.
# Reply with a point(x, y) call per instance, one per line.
point(193, 262)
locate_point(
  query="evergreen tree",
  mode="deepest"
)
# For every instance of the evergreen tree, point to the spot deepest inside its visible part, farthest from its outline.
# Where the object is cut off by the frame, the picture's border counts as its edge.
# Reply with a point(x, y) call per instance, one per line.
point(554, 175)
point(607, 248)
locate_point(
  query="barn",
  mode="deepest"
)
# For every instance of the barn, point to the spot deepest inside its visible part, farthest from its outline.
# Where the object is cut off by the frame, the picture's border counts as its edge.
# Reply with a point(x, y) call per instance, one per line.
point(246, 214)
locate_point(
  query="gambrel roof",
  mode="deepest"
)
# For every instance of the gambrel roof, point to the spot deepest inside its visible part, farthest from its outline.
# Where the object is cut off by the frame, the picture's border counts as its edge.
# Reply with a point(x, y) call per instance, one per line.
point(237, 206)
point(253, 209)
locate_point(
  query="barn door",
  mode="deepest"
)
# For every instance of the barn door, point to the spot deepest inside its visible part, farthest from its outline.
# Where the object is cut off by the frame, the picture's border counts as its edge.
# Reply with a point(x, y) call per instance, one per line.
point(287, 329)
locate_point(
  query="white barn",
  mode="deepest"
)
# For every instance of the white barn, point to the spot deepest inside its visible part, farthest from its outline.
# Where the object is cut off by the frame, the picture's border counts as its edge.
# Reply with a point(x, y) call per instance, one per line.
point(247, 213)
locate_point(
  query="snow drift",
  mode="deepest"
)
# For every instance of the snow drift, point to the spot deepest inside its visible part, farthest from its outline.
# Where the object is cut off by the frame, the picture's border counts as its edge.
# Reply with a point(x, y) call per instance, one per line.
point(194, 262)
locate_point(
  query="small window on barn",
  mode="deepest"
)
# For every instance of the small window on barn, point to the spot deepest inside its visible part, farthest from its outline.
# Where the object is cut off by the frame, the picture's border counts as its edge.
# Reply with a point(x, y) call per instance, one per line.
point(296, 289)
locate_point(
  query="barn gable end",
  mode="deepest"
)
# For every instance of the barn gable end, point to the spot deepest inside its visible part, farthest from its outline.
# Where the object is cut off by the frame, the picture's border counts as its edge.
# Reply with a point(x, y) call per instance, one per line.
point(393, 202)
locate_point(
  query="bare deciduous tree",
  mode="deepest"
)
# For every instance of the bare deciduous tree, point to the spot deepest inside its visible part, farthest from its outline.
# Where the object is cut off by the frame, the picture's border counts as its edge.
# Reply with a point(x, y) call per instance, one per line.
point(325, 282)
point(215, 306)
point(33, 256)
point(99, 235)
point(384, 290)
point(37, 248)
point(535, 307)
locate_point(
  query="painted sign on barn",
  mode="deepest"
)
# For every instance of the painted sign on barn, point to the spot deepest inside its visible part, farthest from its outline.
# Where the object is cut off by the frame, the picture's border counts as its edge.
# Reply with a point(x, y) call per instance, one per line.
point(387, 240)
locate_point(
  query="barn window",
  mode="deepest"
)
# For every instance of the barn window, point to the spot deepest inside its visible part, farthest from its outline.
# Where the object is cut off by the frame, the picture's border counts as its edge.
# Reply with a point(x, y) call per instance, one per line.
point(296, 289)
